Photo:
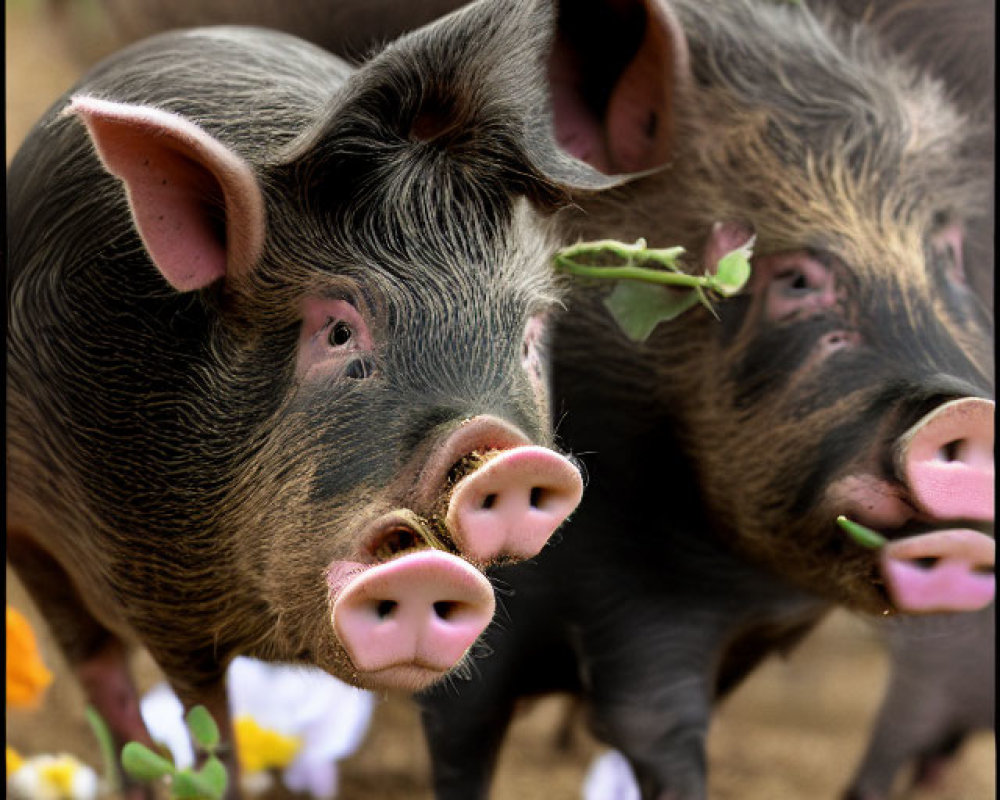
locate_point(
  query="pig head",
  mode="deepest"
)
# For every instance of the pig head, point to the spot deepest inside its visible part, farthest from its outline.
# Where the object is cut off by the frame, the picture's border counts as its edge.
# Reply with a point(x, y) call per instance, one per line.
point(854, 376)
point(276, 354)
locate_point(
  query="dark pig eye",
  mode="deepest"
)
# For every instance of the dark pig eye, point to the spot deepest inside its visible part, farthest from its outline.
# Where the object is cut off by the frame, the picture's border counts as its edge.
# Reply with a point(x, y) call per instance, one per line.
point(793, 281)
point(796, 283)
point(340, 334)
point(333, 336)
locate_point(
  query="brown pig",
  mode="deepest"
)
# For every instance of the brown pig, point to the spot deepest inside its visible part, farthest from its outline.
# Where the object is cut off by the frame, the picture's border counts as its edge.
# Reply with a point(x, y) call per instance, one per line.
point(276, 355)
point(853, 377)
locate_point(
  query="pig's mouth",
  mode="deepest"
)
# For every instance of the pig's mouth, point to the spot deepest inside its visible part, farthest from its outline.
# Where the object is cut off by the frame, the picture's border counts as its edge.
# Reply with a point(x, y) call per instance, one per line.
point(939, 567)
point(937, 510)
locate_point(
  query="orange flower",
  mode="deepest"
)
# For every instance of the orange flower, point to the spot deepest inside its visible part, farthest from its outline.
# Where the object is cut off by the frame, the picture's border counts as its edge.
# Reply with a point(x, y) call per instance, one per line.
point(27, 677)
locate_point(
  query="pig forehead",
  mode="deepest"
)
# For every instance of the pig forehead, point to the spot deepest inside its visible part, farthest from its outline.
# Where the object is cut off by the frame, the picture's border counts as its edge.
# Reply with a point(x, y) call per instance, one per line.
point(501, 268)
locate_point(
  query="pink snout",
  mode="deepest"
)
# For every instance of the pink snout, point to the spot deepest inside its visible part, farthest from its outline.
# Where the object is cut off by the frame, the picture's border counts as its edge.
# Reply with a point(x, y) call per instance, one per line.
point(407, 622)
point(512, 504)
point(946, 460)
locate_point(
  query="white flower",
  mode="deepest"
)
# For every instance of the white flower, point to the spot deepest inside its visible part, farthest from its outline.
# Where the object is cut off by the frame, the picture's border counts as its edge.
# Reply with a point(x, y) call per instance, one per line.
point(610, 778)
point(48, 777)
point(296, 719)
point(164, 717)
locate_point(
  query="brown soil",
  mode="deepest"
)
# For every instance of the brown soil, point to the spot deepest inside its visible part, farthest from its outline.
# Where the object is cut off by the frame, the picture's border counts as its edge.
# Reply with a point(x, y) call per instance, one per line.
point(794, 731)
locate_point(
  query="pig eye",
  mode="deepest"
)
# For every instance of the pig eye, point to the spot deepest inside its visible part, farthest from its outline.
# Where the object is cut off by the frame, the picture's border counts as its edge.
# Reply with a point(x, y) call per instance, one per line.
point(793, 281)
point(340, 334)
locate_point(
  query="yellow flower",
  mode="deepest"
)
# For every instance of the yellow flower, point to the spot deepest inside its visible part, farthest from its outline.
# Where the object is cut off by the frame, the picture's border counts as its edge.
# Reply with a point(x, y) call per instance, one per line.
point(27, 677)
point(48, 777)
point(262, 748)
point(14, 760)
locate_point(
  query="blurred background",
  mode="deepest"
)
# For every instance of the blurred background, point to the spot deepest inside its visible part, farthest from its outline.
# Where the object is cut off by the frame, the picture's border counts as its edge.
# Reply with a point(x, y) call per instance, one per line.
point(795, 730)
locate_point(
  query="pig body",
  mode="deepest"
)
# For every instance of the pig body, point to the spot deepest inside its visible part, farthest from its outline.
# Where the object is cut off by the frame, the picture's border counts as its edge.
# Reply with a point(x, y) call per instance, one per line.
point(720, 451)
point(276, 328)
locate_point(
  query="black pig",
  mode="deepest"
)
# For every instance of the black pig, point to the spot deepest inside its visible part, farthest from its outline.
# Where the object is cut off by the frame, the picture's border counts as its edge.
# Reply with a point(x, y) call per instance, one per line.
point(853, 377)
point(276, 328)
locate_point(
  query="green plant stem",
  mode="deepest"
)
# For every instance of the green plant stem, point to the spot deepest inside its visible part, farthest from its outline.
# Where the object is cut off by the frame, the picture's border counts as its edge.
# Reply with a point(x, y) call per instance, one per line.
point(107, 745)
point(633, 273)
point(865, 537)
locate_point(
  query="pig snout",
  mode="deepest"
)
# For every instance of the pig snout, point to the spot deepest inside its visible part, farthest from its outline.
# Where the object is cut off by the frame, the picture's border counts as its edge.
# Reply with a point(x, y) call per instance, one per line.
point(510, 504)
point(407, 622)
point(408, 611)
point(946, 461)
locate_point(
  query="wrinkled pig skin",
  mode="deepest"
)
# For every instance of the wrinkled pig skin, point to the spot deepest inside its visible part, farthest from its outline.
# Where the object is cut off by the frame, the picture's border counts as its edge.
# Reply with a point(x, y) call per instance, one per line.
point(856, 332)
point(262, 308)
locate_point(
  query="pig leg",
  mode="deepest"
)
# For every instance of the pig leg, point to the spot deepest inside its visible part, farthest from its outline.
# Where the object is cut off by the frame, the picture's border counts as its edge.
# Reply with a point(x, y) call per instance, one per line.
point(464, 731)
point(465, 721)
point(651, 704)
point(96, 656)
point(941, 689)
point(660, 727)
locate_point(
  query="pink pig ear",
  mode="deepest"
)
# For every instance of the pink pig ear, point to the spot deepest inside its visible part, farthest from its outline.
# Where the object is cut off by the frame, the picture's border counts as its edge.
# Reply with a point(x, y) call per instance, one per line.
point(179, 180)
point(631, 129)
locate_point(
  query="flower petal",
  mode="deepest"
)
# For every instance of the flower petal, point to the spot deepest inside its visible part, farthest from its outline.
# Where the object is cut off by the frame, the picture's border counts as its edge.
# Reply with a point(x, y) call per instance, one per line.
point(610, 777)
point(163, 714)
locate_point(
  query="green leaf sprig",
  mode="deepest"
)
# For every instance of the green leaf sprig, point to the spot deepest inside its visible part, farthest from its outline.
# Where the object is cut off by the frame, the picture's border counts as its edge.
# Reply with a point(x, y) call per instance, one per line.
point(645, 296)
point(866, 537)
point(206, 783)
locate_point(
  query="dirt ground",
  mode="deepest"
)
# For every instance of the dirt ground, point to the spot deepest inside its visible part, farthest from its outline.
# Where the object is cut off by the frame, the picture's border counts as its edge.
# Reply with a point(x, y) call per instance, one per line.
point(794, 731)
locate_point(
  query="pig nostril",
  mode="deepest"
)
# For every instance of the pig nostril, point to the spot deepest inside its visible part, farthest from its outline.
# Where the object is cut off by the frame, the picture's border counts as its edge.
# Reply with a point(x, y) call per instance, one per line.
point(489, 501)
point(951, 451)
point(444, 609)
point(927, 562)
point(535, 499)
point(385, 608)
point(393, 542)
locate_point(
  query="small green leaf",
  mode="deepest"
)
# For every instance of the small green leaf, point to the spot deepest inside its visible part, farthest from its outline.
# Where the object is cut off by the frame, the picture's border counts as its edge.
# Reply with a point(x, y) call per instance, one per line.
point(187, 785)
point(213, 775)
point(639, 308)
point(733, 270)
point(203, 729)
point(143, 764)
point(866, 537)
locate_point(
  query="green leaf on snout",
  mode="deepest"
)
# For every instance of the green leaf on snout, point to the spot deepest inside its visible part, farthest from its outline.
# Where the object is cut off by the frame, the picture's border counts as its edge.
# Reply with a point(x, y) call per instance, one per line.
point(639, 307)
point(204, 731)
point(143, 764)
point(866, 537)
